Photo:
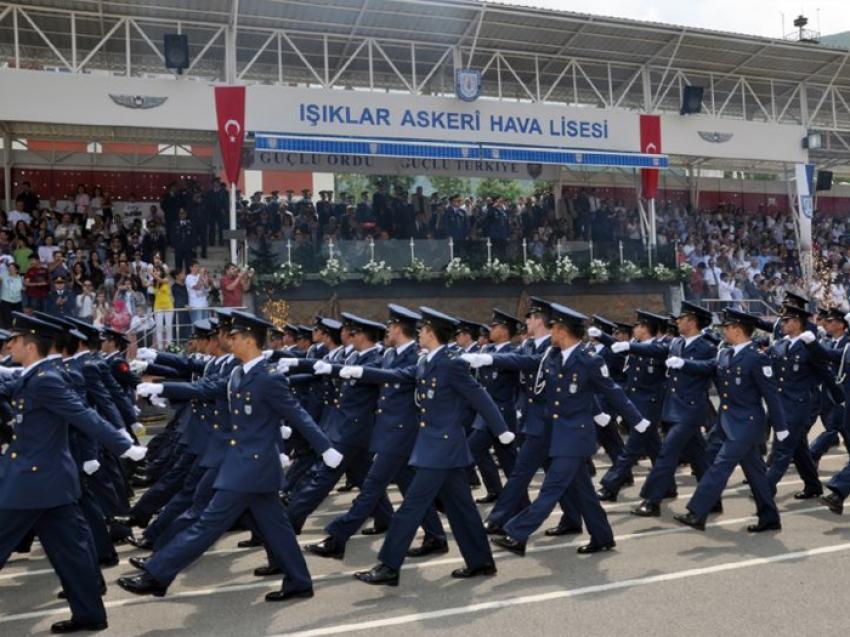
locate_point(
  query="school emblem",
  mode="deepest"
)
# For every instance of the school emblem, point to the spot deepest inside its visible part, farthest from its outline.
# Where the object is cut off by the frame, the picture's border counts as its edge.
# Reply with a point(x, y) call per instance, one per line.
point(468, 84)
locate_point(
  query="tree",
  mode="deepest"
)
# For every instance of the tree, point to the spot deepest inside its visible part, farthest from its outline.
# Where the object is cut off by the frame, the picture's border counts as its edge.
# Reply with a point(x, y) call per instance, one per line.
point(448, 186)
point(351, 183)
point(393, 182)
point(508, 188)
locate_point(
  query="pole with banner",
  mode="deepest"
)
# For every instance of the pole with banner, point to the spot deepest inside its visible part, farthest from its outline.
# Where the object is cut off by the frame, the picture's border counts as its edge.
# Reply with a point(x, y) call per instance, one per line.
point(650, 143)
point(803, 211)
point(230, 116)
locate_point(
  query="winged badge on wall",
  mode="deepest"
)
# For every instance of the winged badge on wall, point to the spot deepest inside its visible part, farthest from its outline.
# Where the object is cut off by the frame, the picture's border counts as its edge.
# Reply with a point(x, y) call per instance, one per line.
point(137, 101)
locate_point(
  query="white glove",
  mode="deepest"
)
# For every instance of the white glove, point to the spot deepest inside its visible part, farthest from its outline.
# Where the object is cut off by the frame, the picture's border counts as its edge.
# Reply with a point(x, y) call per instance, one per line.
point(808, 337)
point(149, 390)
point(123, 433)
point(285, 364)
point(620, 346)
point(821, 330)
point(847, 317)
point(477, 360)
point(782, 435)
point(90, 467)
point(135, 452)
point(285, 461)
point(136, 410)
point(594, 332)
point(10, 372)
point(674, 362)
point(351, 371)
point(642, 426)
point(602, 419)
point(158, 401)
point(507, 437)
point(138, 366)
point(322, 368)
point(146, 354)
point(137, 427)
point(285, 432)
point(331, 457)
point(268, 352)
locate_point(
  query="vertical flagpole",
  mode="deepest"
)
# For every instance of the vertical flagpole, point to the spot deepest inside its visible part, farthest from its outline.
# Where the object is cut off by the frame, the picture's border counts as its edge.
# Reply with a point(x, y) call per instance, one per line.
point(233, 221)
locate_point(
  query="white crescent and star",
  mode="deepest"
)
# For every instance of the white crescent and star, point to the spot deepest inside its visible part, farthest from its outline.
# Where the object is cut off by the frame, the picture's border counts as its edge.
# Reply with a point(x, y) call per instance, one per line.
point(232, 124)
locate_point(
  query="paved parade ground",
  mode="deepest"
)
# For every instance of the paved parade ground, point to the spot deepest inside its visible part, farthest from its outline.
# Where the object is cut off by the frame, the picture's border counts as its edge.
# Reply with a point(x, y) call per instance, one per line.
point(663, 579)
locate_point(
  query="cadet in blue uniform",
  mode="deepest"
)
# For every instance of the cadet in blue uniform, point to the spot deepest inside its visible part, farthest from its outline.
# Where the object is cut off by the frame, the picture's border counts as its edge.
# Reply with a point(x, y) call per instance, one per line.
point(396, 427)
point(39, 481)
point(251, 473)
point(572, 377)
point(645, 388)
point(602, 334)
point(443, 385)
point(831, 412)
point(683, 412)
point(744, 377)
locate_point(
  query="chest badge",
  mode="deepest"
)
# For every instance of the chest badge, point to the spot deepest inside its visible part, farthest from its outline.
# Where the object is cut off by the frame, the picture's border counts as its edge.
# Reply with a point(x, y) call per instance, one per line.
point(573, 388)
point(248, 410)
point(430, 394)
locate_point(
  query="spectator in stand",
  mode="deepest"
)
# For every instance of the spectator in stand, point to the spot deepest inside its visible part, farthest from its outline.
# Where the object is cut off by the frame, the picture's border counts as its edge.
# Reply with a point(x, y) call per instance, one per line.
point(198, 217)
point(95, 270)
point(163, 306)
point(57, 267)
point(67, 229)
point(28, 198)
point(101, 309)
point(47, 250)
point(11, 290)
point(36, 285)
point(233, 284)
point(153, 241)
point(85, 301)
point(82, 201)
point(20, 213)
point(23, 254)
point(197, 284)
point(171, 204)
point(180, 298)
point(78, 276)
point(60, 300)
point(118, 318)
point(217, 204)
point(183, 241)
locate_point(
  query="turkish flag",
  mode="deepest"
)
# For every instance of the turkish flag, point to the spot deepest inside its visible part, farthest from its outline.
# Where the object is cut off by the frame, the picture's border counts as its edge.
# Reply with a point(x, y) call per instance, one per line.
point(230, 113)
point(650, 143)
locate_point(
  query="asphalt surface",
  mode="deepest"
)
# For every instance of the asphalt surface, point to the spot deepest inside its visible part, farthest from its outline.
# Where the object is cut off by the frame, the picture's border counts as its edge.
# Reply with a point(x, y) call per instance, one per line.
point(663, 579)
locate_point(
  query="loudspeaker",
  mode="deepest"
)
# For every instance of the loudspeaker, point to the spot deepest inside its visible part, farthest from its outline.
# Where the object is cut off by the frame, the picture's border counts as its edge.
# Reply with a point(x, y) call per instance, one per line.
point(691, 100)
point(176, 49)
point(824, 181)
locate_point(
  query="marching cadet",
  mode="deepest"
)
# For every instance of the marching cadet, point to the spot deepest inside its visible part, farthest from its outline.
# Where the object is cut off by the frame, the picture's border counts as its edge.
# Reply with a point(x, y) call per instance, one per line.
point(609, 438)
point(796, 374)
point(502, 387)
point(440, 456)
point(645, 388)
point(744, 377)
point(572, 378)
point(251, 473)
point(393, 438)
point(683, 411)
point(831, 412)
point(39, 481)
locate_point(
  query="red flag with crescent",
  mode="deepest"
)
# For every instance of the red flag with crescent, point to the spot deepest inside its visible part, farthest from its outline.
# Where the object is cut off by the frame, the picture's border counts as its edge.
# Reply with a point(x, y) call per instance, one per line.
point(230, 112)
point(650, 143)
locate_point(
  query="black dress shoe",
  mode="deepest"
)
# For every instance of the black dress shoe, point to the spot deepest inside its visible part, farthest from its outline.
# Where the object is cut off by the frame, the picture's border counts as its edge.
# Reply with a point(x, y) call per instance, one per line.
point(647, 509)
point(348, 486)
point(64, 595)
point(509, 544)
point(477, 571)
point(328, 547)
point(130, 520)
point(691, 520)
point(764, 526)
point(562, 529)
point(491, 528)
point(490, 498)
point(267, 571)
point(142, 584)
point(140, 543)
point(375, 530)
point(109, 562)
point(717, 508)
point(806, 494)
point(429, 546)
point(73, 626)
point(283, 595)
point(606, 496)
point(595, 548)
point(380, 575)
point(138, 562)
point(629, 482)
point(834, 502)
point(248, 544)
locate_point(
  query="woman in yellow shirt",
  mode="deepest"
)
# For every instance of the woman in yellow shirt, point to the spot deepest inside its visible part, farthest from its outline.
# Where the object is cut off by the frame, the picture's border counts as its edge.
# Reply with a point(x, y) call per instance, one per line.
point(163, 307)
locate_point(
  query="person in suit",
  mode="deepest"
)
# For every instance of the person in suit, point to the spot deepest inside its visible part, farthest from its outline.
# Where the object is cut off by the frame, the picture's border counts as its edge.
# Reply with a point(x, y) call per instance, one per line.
point(183, 241)
point(39, 480)
point(573, 377)
point(443, 385)
point(683, 410)
point(392, 442)
point(251, 472)
point(745, 377)
point(60, 300)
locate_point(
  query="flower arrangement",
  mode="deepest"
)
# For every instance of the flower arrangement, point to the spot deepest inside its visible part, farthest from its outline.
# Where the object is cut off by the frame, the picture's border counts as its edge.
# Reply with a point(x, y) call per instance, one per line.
point(333, 273)
point(628, 271)
point(684, 271)
point(457, 270)
point(565, 271)
point(377, 273)
point(532, 272)
point(597, 272)
point(174, 348)
point(497, 271)
point(289, 275)
point(417, 270)
point(662, 273)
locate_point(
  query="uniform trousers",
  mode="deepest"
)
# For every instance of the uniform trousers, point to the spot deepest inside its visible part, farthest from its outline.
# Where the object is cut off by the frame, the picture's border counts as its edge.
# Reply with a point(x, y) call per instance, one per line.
point(480, 441)
point(795, 446)
point(683, 441)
